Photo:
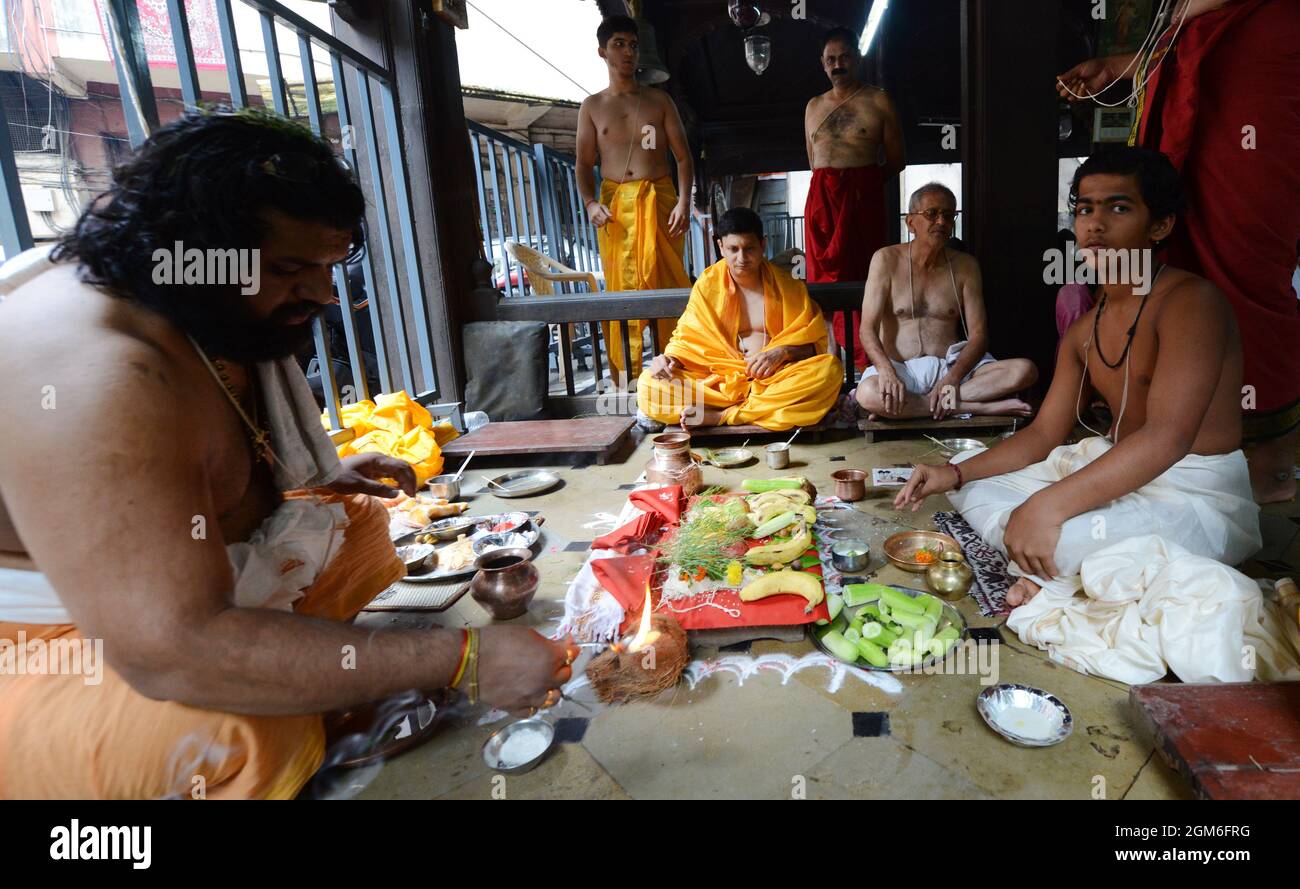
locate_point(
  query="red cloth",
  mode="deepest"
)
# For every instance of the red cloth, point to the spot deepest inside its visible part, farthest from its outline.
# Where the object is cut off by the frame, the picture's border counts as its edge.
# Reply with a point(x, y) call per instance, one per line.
point(844, 225)
point(659, 506)
point(1231, 68)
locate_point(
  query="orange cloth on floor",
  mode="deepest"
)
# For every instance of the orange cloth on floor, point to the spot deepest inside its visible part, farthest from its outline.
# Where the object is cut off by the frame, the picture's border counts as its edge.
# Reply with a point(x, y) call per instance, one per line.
point(713, 367)
point(637, 253)
point(398, 426)
point(61, 738)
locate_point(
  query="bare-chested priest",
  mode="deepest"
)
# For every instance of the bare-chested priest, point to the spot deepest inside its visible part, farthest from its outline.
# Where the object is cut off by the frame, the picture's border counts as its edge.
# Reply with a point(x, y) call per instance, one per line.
point(854, 145)
point(168, 498)
point(629, 129)
point(923, 326)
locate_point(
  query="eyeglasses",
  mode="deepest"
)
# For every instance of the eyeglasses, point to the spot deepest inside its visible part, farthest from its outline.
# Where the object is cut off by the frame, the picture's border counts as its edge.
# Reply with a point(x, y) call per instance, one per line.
point(934, 213)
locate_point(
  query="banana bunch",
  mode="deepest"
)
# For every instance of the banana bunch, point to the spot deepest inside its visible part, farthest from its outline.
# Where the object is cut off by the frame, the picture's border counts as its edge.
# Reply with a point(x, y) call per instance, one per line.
point(765, 507)
point(782, 553)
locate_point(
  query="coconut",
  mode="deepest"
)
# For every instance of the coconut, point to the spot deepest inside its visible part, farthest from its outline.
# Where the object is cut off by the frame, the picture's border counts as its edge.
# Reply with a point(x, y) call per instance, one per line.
point(620, 675)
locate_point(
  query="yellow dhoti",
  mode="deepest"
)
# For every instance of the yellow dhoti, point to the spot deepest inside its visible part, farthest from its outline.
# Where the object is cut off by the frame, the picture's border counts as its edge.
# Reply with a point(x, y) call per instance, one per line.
point(63, 738)
point(712, 370)
point(637, 253)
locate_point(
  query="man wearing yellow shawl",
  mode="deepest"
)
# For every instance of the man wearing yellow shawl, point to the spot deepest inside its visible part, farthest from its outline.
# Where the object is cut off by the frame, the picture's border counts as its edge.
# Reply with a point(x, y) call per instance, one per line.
point(640, 220)
point(751, 347)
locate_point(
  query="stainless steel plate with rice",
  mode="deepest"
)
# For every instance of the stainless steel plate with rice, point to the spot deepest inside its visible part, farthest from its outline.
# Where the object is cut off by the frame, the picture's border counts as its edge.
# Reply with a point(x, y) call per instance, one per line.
point(519, 747)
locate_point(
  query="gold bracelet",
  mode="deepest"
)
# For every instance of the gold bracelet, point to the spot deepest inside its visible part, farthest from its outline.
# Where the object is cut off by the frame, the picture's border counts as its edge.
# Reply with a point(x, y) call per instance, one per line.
point(473, 666)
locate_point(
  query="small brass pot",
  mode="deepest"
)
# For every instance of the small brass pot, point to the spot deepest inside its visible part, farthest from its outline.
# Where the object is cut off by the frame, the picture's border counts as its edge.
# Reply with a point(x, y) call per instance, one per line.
point(505, 583)
point(950, 576)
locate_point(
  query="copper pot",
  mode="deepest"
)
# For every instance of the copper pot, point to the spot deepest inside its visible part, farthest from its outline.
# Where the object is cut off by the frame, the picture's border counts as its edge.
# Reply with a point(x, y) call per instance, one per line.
point(671, 463)
point(850, 484)
point(505, 583)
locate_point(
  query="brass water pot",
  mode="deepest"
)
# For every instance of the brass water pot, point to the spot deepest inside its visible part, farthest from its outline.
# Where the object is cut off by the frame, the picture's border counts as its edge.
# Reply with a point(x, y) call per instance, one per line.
point(950, 576)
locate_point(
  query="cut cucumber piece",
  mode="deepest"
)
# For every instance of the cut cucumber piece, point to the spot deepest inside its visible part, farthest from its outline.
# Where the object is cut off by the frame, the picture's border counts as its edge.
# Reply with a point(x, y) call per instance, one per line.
point(834, 604)
point(873, 612)
point(878, 634)
point(872, 653)
point(856, 594)
point(759, 485)
point(898, 601)
point(933, 607)
point(840, 647)
point(853, 634)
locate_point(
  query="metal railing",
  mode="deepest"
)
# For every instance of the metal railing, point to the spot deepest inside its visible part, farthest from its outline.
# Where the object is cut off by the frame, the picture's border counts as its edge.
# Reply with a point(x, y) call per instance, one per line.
point(397, 353)
point(783, 233)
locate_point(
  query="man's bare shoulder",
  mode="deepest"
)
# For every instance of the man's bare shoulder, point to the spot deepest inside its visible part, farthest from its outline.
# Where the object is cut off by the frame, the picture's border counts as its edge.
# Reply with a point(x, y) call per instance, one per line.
point(58, 331)
point(963, 264)
point(1183, 292)
point(889, 256)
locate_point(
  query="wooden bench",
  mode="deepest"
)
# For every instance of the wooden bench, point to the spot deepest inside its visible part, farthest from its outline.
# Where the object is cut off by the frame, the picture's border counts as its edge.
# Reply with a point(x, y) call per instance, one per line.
point(976, 426)
point(602, 436)
point(815, 431)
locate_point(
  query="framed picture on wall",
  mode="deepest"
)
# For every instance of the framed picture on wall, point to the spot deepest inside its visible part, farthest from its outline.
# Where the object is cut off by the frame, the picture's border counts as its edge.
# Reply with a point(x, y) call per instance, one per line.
point(453, 12)
point(1125, 26)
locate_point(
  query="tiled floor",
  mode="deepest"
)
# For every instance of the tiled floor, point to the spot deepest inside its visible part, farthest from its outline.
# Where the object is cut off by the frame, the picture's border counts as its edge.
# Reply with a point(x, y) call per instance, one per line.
point(788, 733)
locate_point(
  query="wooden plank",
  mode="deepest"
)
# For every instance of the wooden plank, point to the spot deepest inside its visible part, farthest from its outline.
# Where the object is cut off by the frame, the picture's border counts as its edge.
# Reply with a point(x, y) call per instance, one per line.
point(736, 431)
point(600, 435)
point(1230, 740)
point(921, 425)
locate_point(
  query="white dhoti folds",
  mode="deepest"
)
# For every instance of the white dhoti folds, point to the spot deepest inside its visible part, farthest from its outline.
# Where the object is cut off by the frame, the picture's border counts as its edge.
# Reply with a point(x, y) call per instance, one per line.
point(1152, 568)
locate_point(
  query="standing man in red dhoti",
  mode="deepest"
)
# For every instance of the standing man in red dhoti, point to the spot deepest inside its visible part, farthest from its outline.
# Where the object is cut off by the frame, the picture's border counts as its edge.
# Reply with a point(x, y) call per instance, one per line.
point(845, 130)
point(1220, 95)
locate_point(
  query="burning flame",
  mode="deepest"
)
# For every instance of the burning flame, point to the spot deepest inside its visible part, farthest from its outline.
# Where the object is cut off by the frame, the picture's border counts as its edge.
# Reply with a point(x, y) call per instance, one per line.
point(643, 635)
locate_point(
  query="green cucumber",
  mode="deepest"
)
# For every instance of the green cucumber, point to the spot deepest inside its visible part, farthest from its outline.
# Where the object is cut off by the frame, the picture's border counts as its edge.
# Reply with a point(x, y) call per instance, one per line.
point(853, 634)
point(856, 594)
point(898, 601)
point(914, 621)
point(873, 612)
point(762, 485)
point(834, 604)
point(878, 634)
point(840, 647)
point(771, 526)
point(933, 607)
point(872, 653)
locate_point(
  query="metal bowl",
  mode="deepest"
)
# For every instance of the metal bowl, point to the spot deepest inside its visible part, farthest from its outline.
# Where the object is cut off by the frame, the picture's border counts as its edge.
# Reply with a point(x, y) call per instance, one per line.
point(518, 539)
point(1025, 715)
point(900, 547)
point(415, 555)
point(850, 564)
point(492, 747)
point(836, 519)
point(444, 486)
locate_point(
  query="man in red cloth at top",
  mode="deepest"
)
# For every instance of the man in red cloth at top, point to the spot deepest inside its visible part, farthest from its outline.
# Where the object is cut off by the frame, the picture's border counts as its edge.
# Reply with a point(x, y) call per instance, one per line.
point(1222, 101)
point(845, 130)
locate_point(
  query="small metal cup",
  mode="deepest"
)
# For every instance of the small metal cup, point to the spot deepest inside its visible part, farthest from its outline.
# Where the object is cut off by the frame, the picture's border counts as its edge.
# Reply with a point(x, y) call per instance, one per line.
point(444, 486)
point(850, 564)
point(778, 455)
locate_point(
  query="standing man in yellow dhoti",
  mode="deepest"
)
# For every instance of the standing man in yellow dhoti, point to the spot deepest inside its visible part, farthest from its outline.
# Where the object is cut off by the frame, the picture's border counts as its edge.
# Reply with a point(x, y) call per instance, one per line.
point(751, 347)
point(640, 219)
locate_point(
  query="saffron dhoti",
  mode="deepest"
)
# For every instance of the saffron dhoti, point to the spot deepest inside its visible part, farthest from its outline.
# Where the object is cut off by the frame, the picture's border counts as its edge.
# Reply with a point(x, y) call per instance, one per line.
point(637, 253)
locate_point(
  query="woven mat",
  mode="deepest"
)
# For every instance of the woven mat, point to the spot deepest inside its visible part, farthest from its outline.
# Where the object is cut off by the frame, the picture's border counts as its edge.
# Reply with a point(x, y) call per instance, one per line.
point(989, 588)
point(441, 595)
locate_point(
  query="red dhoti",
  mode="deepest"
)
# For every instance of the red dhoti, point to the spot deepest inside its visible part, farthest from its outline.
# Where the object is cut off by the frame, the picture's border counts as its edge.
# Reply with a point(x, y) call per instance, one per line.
point(1225, 107)
point(844, 224)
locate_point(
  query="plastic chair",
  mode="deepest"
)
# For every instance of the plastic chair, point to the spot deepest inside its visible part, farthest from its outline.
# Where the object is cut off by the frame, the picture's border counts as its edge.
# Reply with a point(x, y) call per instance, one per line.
point(543, 274)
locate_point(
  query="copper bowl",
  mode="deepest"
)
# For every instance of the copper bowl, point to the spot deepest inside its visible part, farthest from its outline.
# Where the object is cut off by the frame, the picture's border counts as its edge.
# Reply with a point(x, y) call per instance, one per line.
point(850, 484)
point(900, 548)
point(505, 583)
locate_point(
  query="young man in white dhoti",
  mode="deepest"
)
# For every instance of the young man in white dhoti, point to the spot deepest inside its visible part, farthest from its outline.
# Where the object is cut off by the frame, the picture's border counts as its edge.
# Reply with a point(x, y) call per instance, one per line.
point(1166, 356)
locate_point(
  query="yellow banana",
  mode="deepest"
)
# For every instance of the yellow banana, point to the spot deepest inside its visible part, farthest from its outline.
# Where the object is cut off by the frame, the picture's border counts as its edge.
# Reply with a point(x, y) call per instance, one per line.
point(797, 583)
point(788, 551)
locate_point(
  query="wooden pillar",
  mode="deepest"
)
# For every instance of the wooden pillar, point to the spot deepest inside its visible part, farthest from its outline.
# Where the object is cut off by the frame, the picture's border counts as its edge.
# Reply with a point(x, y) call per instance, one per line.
point(420, 49)
point(1009, 168)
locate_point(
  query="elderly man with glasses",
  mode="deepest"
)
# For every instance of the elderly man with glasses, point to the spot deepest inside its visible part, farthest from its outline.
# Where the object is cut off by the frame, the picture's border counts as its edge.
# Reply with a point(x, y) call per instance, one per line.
point(923, 326)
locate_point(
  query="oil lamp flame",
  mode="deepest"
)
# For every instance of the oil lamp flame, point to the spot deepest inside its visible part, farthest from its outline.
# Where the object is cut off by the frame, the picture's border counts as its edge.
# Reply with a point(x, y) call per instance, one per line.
point(643, 635)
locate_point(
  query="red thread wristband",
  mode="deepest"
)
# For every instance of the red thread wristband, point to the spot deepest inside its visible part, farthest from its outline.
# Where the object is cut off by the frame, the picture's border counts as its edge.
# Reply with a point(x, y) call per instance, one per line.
point(957, 469)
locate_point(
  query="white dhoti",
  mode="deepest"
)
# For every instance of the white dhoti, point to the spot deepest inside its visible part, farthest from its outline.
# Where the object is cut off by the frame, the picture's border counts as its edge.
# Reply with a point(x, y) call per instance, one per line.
point(1152, 567)
point(918, 375)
